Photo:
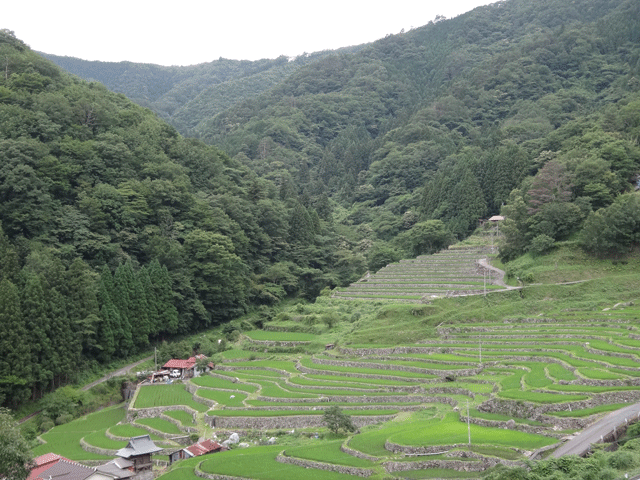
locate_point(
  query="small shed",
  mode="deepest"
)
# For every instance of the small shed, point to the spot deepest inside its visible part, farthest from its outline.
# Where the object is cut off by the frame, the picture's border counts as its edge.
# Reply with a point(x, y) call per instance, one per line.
point(201, 448)
point(139, 450)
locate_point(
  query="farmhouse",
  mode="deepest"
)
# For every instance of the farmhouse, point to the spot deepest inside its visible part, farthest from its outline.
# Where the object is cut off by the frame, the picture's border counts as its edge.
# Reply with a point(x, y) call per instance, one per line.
point(185, 368)
point(44, 462)
point(52, 465)
point(139, 451)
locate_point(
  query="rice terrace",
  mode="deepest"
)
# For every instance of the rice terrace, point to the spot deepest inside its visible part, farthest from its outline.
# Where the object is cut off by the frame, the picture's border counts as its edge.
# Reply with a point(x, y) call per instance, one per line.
point(468, 376)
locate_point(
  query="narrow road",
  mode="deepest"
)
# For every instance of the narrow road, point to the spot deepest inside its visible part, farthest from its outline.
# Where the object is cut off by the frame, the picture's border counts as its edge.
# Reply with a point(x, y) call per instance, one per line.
point(122, 371)
point(579, 445)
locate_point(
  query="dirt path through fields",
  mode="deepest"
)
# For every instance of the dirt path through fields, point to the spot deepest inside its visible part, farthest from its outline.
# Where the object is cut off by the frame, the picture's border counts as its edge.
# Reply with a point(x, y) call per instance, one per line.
point(121, 371)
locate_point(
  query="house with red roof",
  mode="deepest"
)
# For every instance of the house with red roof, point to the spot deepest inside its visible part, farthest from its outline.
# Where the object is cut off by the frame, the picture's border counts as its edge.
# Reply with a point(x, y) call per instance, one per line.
point(43, 462)
point(185, 368)
point(53, 466)
point(202, 448)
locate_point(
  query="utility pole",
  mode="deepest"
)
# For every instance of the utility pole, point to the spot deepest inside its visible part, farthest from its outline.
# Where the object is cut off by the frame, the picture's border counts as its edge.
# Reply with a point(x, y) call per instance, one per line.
point(468, 425)
point(155, 356)
point(480, 348)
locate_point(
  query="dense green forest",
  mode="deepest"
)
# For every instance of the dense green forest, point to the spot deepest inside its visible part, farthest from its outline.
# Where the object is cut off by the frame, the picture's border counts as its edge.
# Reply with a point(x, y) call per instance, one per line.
point(117, 231)
point(443, 122)
point(186, 96)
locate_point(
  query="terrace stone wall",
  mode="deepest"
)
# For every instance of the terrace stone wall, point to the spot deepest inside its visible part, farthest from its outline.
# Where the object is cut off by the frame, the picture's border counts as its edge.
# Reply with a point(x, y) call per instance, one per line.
point(152, 412)
point(274, 408)
point(231, 368)
point(286, 422)
point(365, 398)
point(534, 411)
point(459, 465)
point(344, 469)
point(511, 425)
point(402, 368)
point(412, 450)
point(276, 343)
point(215, 476)
point(344, 448)
point(192, 389)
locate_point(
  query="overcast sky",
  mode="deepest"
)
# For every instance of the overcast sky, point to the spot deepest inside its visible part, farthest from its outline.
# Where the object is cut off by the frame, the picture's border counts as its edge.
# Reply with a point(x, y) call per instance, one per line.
point(188, 32)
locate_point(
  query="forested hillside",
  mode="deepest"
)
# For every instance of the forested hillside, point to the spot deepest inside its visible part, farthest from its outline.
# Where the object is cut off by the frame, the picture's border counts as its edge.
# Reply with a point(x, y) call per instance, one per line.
point(442, 123)
point(185, 96)
point(117, 232)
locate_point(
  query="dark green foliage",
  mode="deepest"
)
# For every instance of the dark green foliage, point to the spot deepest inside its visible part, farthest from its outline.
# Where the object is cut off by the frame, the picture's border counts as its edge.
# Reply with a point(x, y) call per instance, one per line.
point(425, 238)
point(16, 460)
point(336, 420)
point(613, 229)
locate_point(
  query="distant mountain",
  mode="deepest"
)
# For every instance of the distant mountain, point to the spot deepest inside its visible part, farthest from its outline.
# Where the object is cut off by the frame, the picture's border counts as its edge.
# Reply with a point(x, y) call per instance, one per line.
point(185, 96)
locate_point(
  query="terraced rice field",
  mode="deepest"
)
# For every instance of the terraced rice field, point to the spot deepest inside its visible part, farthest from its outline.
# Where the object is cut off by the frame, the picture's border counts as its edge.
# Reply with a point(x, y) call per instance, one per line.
point(448, 273)
point(549, 377)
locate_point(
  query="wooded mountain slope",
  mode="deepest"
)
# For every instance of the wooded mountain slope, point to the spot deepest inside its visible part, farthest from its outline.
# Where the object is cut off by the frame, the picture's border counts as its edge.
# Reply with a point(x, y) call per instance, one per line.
point(443, 122)
point(116, 231)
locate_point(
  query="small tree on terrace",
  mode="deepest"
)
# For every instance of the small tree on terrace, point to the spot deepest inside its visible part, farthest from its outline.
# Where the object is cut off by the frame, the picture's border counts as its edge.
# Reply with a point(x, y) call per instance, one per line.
point(335, 420)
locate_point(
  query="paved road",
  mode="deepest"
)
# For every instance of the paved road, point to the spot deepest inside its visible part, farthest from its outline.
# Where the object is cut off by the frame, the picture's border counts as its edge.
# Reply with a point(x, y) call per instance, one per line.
point(579, 445)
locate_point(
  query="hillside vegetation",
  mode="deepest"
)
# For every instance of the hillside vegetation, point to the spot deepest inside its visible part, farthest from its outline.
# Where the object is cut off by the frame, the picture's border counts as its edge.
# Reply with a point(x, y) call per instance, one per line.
point(116, 232)
point(531, 108)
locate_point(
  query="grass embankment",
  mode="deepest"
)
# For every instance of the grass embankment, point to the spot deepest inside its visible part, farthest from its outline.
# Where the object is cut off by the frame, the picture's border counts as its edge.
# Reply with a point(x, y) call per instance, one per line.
point(167, 395)
point(65, 439)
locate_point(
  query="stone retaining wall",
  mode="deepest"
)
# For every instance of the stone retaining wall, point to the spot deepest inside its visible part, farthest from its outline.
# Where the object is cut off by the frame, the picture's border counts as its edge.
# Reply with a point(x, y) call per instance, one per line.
point(359, 399)
point(403, 368)
point(511, 425)
point(412, 450)
point(291, 421)
point(230, 368)
point(344, 448)
point(319, 371)
point(459, 465)
point(215, 476)
point(360, 472)
point(151, 412)
point(534, 411)
point(276, 343)
point(273, 408)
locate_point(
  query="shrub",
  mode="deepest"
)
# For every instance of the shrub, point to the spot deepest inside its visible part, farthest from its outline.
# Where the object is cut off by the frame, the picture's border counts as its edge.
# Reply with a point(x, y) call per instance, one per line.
point(64, 418)
point(622, 460)
point(541, 244)
point(46, 424)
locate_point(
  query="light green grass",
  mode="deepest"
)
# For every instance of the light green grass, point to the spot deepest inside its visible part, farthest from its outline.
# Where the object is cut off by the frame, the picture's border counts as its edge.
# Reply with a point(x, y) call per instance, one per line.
point(167, 395)
point(450, 430)
point(65, 439)
point(98, 439)
point(280, 336)
point(589, 411)
point(328, 452)
point(228, 384)
point(185, 418)
point(228, 399)
point(160, 424)
point(259, 463)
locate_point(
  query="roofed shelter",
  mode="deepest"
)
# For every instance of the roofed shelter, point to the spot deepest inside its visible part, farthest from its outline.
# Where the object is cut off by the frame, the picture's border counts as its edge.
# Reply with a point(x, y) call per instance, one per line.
point(139, 451)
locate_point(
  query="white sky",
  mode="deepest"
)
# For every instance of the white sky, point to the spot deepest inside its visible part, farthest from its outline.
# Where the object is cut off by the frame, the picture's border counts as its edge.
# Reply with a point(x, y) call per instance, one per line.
point(188, 32)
